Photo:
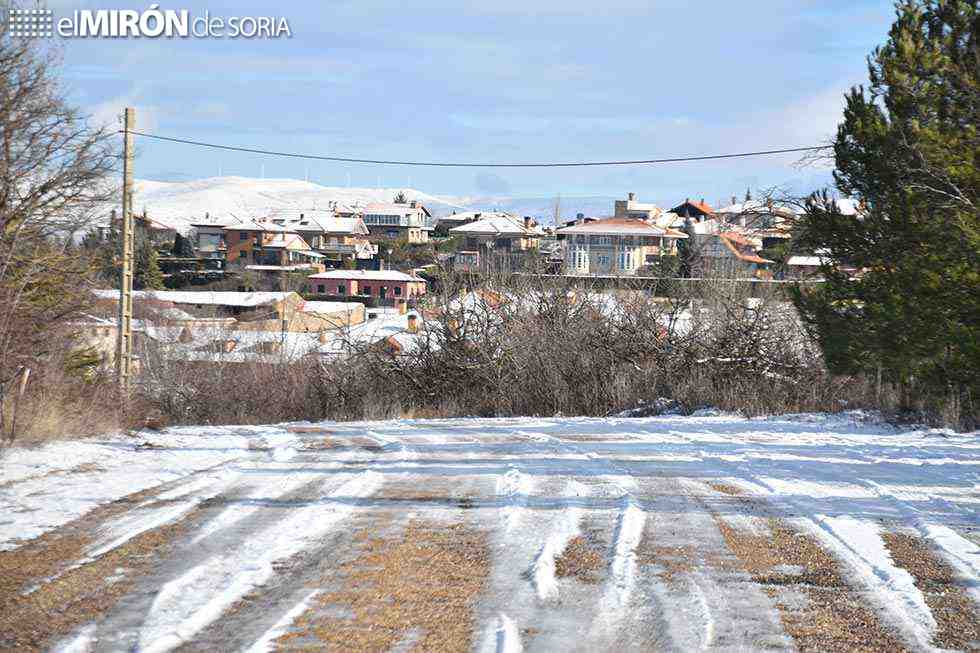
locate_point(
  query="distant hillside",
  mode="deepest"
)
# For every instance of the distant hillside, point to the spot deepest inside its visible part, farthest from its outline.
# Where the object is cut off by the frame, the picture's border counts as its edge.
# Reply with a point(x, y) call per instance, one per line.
point(180, 204)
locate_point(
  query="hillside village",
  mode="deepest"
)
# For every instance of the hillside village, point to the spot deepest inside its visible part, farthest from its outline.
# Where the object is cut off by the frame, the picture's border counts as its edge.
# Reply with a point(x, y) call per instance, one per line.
point(298, 282)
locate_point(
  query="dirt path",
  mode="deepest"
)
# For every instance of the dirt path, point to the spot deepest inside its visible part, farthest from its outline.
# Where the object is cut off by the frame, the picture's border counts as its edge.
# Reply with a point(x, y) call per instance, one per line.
point(505, 536)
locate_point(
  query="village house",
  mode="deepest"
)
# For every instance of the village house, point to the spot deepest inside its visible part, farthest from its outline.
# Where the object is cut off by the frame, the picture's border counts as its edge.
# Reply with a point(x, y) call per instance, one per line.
point(268, 245)
point(396, 221)
point(765, 222)
point(699, 211)
point(616, 246)
point(388, 286)
point(500, 236)
point(731, 254)
point(260, 311)
point(636, 210)
point(339, 239)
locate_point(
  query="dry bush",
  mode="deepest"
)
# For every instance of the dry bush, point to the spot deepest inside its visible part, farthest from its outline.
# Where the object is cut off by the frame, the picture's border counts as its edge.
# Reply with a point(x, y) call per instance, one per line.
point(68, 394)
point(525, 345)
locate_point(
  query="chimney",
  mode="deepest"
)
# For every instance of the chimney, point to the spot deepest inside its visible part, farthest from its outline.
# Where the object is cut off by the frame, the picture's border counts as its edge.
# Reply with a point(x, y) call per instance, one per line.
point(528, 222)
point(414, 204)
point(631, 196)
point(734, 200)
point(413, 323)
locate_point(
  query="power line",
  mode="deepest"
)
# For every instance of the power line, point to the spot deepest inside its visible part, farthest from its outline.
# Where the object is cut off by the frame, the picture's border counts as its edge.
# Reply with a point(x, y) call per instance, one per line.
point(436, 164)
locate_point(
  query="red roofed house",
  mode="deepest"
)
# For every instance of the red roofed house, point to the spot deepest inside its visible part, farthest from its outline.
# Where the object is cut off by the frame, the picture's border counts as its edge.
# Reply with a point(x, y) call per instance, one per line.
point(732, 254)
point(697, 210)
point(389, 286)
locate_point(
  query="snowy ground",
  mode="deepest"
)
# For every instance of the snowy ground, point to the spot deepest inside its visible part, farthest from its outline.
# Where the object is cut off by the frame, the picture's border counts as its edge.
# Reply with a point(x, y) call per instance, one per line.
point(669, 533)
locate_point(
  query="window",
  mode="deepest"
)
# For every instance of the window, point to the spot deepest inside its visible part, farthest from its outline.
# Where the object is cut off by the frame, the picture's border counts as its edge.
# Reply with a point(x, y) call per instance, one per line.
point(340, 289)
point(242, 235)
point(321, 289)
point(366, 290)
point(398, 290)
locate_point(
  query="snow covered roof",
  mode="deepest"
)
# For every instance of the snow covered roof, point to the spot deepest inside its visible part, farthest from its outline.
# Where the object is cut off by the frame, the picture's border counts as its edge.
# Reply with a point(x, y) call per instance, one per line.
point(255, 225)
point(757, 206)
point(202, 297)
point(499, 224)
point(390, 208)
point(287, 240)
point(366, 275)
point(621, 227)
point(331, 307)
point(813, 261)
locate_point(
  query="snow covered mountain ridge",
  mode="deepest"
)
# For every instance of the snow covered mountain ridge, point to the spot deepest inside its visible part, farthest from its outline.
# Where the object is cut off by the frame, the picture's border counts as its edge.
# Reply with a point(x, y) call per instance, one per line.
point(225, 199)
point(180, 204)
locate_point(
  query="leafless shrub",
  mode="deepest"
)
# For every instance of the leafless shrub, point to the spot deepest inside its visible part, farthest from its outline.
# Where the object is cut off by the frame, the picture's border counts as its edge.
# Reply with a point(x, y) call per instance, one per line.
point(529, 345)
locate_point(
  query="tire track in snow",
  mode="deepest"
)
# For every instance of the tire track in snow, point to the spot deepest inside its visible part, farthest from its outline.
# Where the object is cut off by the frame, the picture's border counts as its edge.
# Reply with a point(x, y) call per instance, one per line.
point(858, 544)
point(502, 637)
point(566, 528)
point(513, 488)
point(622, 569)
point(186, 605)
point(266, 643)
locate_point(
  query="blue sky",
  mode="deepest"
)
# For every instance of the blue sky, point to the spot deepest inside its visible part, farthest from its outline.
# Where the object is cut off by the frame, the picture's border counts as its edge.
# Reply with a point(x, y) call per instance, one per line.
point(501, 80)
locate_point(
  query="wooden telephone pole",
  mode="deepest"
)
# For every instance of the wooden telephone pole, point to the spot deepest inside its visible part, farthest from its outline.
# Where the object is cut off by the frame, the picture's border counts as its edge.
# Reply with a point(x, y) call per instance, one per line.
point(124, 345)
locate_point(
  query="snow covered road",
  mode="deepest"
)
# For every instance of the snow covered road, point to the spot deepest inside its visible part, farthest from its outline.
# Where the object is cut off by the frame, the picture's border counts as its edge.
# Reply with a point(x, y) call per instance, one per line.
point(806, 532)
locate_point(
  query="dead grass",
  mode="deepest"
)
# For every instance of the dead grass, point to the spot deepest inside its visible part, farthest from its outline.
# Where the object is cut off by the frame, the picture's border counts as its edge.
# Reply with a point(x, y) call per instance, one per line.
point(727, 488)
point(834, 617)
point(423, 583)
point(582, 559)
point(43, 599)
point(673, 560)
point(956, 616)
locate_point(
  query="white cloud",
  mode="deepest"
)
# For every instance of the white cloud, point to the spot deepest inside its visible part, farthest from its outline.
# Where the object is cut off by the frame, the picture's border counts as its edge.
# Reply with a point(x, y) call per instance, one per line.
point(109, 113)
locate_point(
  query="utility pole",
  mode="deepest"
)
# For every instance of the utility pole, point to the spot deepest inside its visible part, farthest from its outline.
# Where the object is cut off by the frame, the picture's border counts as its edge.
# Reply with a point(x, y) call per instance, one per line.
point(124, 345)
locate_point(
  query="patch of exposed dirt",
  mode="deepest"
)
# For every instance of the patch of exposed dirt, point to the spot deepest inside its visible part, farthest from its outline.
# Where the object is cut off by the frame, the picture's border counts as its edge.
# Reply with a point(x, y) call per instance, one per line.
point(84, 468)
point(318, 430)
point(421, 585)
point(673, 560)
point(43, 599)
point(957, 618)
point(727, 488)
point(834, 617)
point(584, 437)
point(582, 559)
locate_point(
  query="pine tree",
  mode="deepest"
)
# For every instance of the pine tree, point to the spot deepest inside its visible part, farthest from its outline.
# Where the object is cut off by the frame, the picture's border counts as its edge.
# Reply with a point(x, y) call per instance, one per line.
point(908, 149)
point(147, 275)
point(182, 246)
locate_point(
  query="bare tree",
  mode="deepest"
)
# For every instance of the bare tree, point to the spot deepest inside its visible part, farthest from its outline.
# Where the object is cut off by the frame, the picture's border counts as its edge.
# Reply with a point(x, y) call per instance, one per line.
point(53, 176)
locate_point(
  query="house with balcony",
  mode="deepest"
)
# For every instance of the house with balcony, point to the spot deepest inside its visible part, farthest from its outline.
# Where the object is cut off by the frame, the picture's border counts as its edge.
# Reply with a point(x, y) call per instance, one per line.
point(616, 246)
point(389, 287)
point(268, 245)
point(498, 238)
point(409, 221)
point(339, 239)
